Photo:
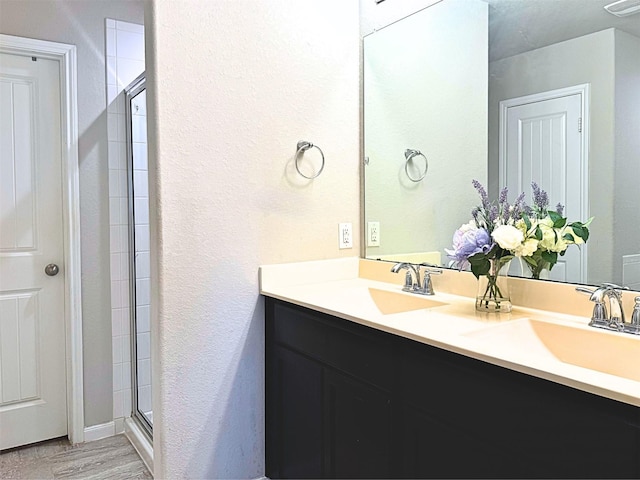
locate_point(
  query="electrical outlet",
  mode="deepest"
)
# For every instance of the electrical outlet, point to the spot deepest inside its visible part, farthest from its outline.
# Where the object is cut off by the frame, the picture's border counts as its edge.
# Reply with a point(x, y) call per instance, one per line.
point(345, 233)
point(373, 234)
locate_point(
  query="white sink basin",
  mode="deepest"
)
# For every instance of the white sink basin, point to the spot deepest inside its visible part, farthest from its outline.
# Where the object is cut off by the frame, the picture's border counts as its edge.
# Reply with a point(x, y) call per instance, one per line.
point(389, 302)
point(608, 352)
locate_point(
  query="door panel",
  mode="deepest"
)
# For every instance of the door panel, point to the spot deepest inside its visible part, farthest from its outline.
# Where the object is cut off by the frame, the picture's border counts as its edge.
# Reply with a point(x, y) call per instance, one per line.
point(19, 320)
point(32, 329)
point(544, 145)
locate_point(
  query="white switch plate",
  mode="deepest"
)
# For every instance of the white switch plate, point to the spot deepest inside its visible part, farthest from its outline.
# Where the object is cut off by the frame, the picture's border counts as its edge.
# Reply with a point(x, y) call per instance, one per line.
point(345, 233)
point(373, 234)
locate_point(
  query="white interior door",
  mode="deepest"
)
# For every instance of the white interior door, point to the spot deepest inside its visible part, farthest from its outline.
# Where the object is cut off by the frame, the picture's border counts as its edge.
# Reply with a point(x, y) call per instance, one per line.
point(543, 144)
point(33, 391)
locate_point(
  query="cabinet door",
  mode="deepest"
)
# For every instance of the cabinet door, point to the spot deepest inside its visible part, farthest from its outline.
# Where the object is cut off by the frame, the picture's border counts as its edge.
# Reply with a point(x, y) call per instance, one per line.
point(435, 448)
point(528, 427)
point(358, 429)
point(294, 416)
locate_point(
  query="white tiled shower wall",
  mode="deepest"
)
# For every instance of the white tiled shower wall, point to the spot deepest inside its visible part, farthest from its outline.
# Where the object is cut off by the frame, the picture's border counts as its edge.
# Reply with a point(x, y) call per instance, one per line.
point(125, 61)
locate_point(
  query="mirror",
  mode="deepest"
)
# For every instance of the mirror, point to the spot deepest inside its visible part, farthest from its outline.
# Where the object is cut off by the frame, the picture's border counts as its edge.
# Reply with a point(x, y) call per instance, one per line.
point(437, 83)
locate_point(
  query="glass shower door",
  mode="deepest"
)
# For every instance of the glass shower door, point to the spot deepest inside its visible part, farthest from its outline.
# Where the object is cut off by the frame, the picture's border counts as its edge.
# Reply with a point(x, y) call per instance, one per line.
point(139, 262)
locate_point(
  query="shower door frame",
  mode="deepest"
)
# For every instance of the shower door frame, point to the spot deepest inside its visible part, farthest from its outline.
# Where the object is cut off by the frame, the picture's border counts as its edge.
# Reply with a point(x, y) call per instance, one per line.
point(134, 88)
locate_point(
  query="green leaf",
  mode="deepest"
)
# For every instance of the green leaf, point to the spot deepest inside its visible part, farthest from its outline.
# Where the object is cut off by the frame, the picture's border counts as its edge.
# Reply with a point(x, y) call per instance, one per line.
point(556, 218)
point(578, 229)
point(568, 237)
point(551, 257)
point(531, 261)
point(538, 234)
point(585, 232)
point(527, 222)
point(480, 267)
point(477, 258)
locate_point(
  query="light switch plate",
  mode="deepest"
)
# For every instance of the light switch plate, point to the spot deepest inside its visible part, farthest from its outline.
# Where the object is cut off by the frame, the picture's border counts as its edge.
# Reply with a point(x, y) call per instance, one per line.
point(345, 232)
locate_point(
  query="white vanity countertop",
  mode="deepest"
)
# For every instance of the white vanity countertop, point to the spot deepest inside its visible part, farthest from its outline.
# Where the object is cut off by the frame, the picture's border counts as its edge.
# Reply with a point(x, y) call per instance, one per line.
point(334, 287)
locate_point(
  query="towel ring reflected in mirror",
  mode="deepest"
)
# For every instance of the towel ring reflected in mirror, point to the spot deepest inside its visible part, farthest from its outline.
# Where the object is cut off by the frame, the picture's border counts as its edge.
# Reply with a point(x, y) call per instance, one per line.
point(302, 147)
point(410, 154)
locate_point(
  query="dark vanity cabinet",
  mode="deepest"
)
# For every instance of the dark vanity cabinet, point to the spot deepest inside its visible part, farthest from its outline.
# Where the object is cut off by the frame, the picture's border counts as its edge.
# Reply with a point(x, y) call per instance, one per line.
point(348, 401)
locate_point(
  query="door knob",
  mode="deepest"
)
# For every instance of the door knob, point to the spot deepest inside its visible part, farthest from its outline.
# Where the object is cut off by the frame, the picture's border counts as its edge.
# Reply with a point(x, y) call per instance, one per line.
point(51, 269)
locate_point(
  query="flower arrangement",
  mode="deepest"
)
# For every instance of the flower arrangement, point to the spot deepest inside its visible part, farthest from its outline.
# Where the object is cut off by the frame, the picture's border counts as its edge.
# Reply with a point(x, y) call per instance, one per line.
point(549, 231)
point(500, 231)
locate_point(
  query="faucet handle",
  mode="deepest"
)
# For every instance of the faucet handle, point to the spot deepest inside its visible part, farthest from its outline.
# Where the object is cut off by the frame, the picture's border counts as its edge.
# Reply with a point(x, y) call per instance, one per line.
point(427, 285)
point(634, 326)
point(635, 317)
point(599, 316)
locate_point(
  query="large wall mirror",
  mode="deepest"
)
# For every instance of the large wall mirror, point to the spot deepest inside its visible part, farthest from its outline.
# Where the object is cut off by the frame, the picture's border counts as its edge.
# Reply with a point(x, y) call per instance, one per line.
point(506, 92)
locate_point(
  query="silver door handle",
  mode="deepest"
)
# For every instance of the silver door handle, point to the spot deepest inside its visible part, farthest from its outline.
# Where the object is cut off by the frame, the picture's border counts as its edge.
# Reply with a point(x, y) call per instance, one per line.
point(51, 269)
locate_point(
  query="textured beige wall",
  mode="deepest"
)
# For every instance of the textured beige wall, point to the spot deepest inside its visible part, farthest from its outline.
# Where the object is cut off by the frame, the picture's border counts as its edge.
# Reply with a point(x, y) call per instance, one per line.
point(233, 86)
point(82, 23)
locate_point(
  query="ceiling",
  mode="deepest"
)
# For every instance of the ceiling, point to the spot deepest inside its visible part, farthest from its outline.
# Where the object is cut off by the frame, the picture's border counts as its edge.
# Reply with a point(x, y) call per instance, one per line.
point(517, 26)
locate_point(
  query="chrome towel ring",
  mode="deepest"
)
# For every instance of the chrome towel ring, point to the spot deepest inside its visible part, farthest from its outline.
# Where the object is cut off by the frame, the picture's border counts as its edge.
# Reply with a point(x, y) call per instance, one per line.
point(302, 147)
point(410, 154)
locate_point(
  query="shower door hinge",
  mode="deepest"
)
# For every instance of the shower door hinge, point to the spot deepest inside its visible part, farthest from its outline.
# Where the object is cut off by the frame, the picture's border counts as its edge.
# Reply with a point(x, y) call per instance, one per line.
point(580, 125)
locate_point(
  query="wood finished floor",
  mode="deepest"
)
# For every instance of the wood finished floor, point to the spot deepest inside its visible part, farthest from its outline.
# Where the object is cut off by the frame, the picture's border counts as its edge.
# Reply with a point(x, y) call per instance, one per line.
point(111, 458)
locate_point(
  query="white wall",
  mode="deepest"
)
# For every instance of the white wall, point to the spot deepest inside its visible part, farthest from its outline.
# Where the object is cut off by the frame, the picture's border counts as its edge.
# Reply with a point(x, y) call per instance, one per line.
point(232, 87)
point(425, 84)
point(587, 59)
point(82, 24)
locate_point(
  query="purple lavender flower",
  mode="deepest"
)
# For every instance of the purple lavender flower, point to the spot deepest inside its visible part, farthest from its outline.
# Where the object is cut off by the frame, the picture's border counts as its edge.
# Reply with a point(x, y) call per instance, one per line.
point(503, 206)
point(483, 194)
point(502, 199)
point(540, 197)
point(518, 207)
point(559, 209)
point(493, 214)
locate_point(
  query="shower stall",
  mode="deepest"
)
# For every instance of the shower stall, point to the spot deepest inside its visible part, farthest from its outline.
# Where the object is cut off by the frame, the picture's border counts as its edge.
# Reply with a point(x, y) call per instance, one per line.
point(139, 254)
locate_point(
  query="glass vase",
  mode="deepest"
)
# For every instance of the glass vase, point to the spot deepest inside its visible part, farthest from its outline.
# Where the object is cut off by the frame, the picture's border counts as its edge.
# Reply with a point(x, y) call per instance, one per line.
point(540, 271)
point(493, 289)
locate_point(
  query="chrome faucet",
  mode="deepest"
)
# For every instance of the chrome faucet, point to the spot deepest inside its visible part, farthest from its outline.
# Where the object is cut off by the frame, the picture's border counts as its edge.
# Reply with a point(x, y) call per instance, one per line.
point(412, 281)
point(611, 317)
point(634, 327)
point(409, 284)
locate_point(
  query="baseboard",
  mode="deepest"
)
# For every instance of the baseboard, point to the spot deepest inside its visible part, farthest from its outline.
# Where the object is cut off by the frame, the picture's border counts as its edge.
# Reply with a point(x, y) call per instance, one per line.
point(140, 442)
point(96, 432)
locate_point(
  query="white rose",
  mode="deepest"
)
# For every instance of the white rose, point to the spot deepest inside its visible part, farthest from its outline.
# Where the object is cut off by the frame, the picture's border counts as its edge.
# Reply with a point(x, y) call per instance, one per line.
point(508, 237)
